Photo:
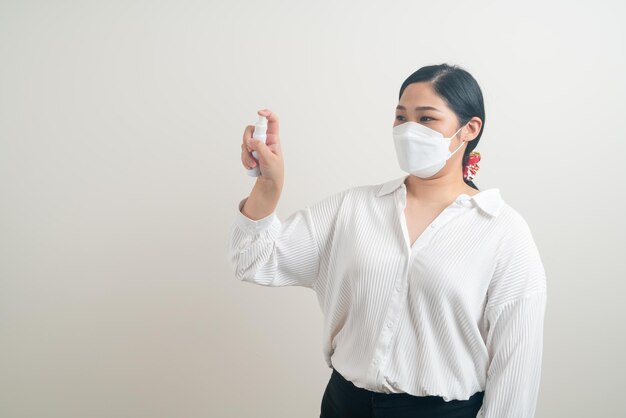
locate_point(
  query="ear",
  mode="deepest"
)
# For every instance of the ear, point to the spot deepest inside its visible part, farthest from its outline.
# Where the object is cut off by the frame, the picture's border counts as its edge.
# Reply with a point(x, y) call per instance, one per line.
point(472, 129)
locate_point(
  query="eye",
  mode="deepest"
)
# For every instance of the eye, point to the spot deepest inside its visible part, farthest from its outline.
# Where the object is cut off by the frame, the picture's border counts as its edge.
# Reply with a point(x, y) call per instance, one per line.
point(425, 117)
point(398, 117)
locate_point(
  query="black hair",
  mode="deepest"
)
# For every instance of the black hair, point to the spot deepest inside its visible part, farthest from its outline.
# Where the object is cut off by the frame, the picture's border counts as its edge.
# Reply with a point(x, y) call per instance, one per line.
point(460, 91)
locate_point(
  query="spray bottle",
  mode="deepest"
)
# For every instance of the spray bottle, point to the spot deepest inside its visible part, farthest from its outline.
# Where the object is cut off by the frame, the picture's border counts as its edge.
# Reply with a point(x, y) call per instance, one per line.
point(259, 134)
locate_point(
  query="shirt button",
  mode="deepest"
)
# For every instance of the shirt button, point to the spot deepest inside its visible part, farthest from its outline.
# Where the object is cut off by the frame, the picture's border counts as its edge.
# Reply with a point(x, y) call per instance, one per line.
point(375, 361)
point(397, 288)
point(432, 225)
point(389, 324)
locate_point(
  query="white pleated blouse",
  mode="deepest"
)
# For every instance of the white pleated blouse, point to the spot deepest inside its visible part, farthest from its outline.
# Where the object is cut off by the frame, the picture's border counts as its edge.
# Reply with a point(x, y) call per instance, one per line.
point(459, 311)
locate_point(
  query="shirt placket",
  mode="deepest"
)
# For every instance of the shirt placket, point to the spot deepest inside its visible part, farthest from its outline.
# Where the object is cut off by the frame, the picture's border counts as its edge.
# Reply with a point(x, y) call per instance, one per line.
point(397, 298)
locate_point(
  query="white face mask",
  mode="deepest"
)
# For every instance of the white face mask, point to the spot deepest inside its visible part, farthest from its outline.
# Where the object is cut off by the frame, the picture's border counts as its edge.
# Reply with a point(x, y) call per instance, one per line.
point(421, 151)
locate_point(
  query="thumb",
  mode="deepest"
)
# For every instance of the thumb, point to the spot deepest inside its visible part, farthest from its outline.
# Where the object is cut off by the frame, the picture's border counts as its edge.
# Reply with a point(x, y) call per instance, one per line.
point(261, 148)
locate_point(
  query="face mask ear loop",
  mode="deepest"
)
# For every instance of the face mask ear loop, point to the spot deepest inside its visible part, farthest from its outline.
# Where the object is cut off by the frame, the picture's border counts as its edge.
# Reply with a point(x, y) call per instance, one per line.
point(457, 148)
point(456, 132)
point(462, 142)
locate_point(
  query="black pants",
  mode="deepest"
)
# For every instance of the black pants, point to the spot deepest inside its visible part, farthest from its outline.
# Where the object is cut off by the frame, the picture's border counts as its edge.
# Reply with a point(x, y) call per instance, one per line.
point(342, 399)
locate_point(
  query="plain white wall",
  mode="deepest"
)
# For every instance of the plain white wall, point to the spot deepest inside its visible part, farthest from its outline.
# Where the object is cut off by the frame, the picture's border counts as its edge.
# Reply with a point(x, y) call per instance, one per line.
point(120, 173)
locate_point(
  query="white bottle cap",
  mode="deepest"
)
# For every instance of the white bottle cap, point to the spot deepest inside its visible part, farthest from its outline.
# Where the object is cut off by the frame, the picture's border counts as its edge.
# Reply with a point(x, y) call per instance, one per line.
point(260, 128)
point(262, 121)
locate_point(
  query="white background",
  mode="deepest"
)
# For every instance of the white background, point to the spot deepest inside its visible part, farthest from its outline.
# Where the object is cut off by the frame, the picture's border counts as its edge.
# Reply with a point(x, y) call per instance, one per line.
point(120, 172)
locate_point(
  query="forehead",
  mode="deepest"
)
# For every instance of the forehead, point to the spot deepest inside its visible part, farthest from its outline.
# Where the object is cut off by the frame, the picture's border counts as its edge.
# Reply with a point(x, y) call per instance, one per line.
point(421, 94)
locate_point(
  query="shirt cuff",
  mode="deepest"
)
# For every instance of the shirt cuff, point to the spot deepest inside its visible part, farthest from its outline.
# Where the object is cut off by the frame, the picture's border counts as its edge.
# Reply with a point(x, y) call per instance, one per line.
point(251, 225)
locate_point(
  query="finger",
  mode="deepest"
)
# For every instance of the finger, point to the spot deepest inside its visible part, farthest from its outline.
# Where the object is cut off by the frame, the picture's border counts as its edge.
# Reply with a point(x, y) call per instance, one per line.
point(247, 135)
point(247, 159)
point(261, 149)
point(273, 127)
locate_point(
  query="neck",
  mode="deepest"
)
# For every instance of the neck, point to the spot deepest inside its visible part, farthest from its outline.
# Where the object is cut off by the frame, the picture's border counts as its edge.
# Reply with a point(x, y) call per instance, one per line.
point(437, 190)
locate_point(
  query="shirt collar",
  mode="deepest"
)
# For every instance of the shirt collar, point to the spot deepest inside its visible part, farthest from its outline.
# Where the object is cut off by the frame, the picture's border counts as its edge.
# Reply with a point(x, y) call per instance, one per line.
point(488, 200)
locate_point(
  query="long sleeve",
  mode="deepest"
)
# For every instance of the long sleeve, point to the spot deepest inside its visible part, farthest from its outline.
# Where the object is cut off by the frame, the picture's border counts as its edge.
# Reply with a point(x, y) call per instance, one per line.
point(514, 315)
point(271, 252)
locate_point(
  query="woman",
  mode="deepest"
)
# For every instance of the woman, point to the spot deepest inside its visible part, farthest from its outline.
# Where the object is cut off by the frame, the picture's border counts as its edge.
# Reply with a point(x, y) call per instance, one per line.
point(433, 291)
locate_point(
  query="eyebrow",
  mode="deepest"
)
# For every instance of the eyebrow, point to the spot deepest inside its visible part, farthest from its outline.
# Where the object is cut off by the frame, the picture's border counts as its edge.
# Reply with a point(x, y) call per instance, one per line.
point(419, 108)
